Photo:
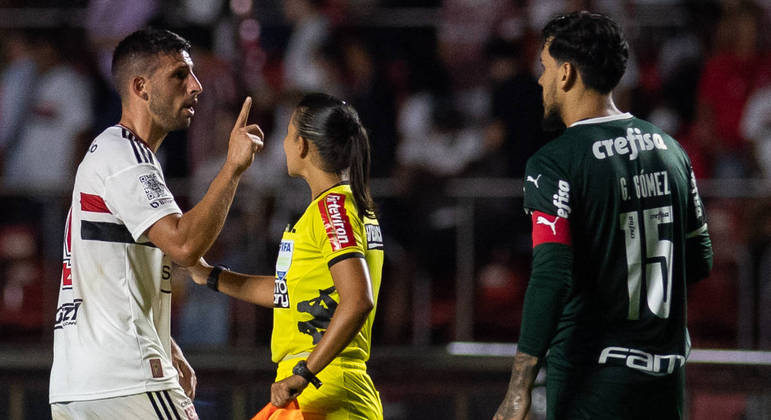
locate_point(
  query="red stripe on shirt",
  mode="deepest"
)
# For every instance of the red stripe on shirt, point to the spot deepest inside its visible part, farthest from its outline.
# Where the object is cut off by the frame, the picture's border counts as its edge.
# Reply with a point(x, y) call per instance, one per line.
point(336, 222)
point(94, 203)
point(548, 228)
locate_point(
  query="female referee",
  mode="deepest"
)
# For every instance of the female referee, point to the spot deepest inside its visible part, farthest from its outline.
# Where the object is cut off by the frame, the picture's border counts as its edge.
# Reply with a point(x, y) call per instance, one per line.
point(328, 270)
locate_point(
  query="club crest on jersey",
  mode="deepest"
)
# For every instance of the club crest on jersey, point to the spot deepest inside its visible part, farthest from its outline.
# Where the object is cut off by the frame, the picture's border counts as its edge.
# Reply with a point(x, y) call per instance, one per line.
point(336, 222)
point(561, 199)
point(155, 190)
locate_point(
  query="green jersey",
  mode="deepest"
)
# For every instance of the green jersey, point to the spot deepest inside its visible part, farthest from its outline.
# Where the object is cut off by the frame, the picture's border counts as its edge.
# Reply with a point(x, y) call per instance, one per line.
point(627, 196)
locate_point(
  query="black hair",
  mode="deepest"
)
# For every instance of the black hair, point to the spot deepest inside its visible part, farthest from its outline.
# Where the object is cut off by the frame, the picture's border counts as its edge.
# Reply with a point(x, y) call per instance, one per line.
point(139, 51)
point(334, 127)
point(593, 43)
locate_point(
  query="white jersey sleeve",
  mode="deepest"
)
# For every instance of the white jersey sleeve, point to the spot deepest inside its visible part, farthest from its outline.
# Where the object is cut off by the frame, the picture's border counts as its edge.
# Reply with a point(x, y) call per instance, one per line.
point(139, 197)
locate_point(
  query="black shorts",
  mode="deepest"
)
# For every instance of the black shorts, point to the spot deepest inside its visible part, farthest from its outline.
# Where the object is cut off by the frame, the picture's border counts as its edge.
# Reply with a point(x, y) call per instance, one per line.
point(585, 397)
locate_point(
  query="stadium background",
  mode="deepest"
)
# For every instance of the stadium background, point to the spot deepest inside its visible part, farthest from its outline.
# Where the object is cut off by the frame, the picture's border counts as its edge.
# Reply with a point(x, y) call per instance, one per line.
point(448, 91)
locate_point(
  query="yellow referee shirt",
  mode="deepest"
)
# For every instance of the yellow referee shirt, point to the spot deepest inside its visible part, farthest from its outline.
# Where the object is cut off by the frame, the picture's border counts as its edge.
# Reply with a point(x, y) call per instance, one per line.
point(304, 296)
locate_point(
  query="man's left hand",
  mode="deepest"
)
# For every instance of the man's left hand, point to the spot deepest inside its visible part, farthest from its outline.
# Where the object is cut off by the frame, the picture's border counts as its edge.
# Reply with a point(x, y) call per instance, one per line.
point(186, 373)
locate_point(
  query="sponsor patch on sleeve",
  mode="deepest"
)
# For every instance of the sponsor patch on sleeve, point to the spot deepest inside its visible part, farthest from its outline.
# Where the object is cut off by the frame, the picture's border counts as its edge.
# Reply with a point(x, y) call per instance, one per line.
point(336, 222)
point(155, 190)
point(549, 228)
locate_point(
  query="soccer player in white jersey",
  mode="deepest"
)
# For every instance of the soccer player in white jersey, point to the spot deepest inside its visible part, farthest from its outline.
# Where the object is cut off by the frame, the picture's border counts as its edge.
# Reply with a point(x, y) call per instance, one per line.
point(113, 354)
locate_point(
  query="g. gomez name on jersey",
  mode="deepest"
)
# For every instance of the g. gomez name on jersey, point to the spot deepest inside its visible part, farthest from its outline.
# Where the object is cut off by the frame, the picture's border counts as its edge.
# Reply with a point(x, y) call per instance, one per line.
point(633, 144)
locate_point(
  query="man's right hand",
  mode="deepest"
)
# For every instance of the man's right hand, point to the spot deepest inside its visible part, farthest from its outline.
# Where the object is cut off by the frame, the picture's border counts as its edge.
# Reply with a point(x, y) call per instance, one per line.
point(245, 140)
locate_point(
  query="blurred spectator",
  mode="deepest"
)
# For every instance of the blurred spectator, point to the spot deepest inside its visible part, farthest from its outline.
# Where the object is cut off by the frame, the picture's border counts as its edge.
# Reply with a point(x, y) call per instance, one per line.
point(756, 127)
point(463, 29)
point(15, 96)
point(106, 23)
point(109, 21)
point(738, 65)
point(302, 70)
point(514, 132)
point(366, 88)
point(57, 123)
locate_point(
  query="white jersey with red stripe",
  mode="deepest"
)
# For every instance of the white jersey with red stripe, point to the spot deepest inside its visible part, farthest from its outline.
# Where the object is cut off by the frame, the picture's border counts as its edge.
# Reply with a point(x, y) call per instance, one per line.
point(112, 327)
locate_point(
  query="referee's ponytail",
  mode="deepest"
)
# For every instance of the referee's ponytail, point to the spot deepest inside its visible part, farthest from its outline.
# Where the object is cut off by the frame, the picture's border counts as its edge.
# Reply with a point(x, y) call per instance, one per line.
point(334, 127)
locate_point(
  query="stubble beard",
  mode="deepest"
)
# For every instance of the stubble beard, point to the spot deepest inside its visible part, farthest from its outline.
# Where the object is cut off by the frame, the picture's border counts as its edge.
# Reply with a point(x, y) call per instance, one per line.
point(552, 119)
point(166, 117)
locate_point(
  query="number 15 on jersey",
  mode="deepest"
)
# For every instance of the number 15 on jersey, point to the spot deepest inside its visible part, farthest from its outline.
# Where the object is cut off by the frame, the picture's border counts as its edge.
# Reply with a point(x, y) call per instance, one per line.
point(645, 249)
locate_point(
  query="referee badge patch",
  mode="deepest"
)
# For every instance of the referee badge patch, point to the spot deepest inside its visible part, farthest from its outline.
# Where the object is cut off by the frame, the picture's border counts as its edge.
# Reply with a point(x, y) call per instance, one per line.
point(283, 262)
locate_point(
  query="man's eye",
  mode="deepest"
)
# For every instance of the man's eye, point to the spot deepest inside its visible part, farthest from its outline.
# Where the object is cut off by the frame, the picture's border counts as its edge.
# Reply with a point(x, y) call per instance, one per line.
point(180, 74)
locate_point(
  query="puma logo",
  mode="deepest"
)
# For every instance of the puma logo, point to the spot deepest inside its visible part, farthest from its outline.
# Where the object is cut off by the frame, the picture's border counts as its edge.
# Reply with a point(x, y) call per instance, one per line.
point(534, 180)
point(544, 221)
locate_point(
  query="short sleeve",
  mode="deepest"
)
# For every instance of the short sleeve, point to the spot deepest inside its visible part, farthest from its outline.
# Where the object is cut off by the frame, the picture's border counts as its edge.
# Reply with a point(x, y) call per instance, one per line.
point(139, 197)
point(338, 229)
point(547, 188)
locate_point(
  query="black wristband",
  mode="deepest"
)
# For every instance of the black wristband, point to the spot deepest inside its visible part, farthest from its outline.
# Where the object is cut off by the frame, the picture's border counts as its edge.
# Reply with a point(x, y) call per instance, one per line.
point(214, 277)
point(301, 369)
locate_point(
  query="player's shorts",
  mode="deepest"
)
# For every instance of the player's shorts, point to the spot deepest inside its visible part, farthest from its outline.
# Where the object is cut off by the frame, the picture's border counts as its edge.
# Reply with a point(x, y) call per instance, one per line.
point(587, 398)
point(346, 393)
point(170, 404)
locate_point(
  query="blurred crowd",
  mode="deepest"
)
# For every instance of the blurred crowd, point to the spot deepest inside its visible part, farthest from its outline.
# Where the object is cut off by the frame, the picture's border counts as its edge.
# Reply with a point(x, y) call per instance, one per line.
point(448, 90)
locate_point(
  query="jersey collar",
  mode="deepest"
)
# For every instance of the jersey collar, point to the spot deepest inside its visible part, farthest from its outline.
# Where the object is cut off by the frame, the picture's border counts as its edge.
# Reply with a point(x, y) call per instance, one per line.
point(598, 120)
point(135, 135)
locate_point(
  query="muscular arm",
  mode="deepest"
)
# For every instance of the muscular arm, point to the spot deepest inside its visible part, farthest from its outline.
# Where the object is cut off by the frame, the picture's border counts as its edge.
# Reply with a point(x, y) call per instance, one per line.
point(185, 238)
point(516, 404)
point(252, 289)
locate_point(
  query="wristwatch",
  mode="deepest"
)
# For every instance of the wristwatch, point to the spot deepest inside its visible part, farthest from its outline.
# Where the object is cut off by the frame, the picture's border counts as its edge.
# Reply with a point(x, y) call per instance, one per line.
point(301, 369)
point(214, 277)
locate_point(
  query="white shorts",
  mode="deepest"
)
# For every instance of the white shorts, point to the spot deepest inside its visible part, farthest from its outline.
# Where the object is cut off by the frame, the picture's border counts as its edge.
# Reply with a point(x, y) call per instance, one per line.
point(170, 404)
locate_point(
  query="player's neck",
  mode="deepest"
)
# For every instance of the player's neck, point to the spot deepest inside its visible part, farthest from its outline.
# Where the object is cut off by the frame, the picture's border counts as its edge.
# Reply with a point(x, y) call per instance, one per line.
point(588, 104)
point(142, 125)
point(320, 181)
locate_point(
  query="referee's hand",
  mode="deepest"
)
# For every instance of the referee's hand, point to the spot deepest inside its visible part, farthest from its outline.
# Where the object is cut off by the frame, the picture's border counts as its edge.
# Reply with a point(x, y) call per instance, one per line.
point(284, 391)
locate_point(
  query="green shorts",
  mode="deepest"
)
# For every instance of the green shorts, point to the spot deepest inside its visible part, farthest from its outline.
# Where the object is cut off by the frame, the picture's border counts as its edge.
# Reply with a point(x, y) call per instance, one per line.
point(585, 397)
point(346, 393)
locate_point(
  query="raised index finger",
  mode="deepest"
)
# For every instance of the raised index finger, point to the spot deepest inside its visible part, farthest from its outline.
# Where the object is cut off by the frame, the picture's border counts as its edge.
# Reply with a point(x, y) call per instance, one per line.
point(241, 121)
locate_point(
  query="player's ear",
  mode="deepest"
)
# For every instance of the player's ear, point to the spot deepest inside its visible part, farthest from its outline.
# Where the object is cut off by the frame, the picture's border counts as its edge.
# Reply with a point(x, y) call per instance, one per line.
point(303, 146)
point(139, 87)
point(568, 73)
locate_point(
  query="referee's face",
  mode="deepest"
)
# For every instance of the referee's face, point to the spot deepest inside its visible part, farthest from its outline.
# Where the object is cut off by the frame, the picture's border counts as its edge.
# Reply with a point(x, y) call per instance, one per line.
point(291, 148)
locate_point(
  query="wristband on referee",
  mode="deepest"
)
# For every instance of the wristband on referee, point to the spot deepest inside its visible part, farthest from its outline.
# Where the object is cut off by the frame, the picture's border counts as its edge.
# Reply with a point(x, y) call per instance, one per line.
point(301, 369)
point(214, 277)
